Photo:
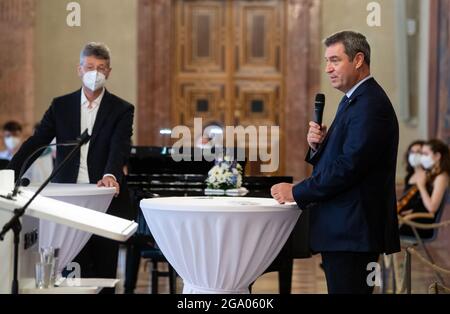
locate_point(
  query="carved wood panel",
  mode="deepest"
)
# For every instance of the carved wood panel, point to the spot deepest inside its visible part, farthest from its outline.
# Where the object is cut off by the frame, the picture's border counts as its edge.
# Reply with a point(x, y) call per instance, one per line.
point(258, 38)
point(229, 62)
point(200, 37)
point(219, 63)
point(204, 100)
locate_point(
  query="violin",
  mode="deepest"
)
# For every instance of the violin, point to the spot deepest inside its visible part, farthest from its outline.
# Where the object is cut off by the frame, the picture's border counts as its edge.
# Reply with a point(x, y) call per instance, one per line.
point(404, 200)
point(409, 194)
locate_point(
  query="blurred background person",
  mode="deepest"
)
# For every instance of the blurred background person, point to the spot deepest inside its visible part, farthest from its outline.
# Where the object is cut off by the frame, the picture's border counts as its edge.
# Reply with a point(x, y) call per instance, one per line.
point(412, 161)
point(426, 187)
point(12, 138)
point(109, 121)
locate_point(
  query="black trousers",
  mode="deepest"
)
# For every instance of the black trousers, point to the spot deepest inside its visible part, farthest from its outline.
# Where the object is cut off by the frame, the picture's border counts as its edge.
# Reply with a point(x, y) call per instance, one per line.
point(346, 272)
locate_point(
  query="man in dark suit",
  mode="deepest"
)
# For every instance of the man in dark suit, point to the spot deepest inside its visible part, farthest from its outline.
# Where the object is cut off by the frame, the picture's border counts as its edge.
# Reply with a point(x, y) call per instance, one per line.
point(109, 120)
point(351, 192)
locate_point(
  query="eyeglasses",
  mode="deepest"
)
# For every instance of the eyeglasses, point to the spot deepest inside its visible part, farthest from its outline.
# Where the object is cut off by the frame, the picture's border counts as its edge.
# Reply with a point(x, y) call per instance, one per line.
point(102, 69)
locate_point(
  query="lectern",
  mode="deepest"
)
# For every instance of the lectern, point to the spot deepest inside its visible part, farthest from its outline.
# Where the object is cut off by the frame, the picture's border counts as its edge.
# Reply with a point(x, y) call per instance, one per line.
point(53, 210)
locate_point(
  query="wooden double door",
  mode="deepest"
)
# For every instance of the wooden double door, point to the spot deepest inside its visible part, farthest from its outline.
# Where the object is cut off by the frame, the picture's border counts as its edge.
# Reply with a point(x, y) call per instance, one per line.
point(229, 63)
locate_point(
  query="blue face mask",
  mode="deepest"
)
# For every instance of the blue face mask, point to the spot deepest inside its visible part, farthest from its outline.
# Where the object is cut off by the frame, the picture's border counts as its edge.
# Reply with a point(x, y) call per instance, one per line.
point(12, 142)
point(427, 161)
point(414, 159)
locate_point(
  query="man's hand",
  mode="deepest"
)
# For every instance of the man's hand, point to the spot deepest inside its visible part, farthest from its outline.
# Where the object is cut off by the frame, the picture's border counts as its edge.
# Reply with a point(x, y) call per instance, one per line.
point(316, 135)
point(109, 181)
point(282, 192)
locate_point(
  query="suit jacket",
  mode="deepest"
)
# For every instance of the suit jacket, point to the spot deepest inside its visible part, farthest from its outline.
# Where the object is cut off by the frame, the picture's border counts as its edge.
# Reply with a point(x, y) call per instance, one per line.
point(110, 142)
point(351, 192)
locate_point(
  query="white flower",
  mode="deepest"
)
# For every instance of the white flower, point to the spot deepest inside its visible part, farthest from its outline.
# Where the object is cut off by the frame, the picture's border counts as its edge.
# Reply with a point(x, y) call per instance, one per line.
point(226, 174)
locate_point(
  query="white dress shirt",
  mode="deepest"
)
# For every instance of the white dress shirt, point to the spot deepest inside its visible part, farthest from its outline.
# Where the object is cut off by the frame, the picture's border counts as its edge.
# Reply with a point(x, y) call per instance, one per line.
point(88, 114)
point(352, 90)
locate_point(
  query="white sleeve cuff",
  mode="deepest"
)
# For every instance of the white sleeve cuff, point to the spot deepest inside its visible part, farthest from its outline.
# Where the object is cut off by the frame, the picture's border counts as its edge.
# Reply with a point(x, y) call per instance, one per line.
point(110, 175)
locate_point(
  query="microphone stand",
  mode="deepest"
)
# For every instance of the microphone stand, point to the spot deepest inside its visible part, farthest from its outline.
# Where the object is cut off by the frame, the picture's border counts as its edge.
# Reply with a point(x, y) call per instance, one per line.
point(15, 223)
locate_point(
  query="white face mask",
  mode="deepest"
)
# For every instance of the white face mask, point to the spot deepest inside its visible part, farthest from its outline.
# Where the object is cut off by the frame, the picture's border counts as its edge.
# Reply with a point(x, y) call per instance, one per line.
point(414, 159)
point(427, 162)
point(94, 80)
point(11, 142)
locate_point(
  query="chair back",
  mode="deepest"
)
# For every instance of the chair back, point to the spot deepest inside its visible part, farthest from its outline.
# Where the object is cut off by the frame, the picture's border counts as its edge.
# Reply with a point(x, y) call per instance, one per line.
point(439, 215)
point(409, 239)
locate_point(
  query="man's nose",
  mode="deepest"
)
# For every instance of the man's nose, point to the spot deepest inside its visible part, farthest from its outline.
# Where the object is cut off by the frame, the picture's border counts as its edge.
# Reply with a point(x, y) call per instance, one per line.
point(329, 68)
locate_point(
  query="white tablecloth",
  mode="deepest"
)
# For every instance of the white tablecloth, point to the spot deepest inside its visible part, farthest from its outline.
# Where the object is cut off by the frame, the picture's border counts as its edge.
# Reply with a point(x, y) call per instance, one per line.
point(70, 241)
point(219, 244)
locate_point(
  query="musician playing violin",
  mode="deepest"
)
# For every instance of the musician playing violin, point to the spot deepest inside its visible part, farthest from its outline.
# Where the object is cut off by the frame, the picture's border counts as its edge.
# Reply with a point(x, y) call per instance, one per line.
point(425, 186)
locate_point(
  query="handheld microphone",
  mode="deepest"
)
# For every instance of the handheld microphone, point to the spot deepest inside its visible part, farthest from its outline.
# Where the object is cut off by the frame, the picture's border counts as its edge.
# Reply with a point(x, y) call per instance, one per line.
point(319, 105)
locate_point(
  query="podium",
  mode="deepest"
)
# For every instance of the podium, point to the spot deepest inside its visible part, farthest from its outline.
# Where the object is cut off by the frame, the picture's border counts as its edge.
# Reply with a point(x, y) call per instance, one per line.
point(71, 241)
point(53, 210)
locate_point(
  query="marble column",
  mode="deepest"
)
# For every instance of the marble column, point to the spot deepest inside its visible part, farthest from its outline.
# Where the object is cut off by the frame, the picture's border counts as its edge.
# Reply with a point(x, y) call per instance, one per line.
point(17, 22)
point(154, 61)
point(302, 81)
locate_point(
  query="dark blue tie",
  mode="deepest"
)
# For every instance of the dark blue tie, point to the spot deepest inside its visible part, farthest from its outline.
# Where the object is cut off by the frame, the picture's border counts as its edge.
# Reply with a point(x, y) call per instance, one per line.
point(341, 107)
point(342, 104)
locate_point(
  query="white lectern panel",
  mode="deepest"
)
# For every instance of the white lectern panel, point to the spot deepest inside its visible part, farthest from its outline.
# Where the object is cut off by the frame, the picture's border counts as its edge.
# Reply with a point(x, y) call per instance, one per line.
point(53, 210)
point(81, 218)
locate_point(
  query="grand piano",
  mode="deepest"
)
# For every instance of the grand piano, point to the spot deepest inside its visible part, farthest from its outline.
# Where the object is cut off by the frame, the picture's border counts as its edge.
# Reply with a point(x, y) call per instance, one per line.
point(154, 173)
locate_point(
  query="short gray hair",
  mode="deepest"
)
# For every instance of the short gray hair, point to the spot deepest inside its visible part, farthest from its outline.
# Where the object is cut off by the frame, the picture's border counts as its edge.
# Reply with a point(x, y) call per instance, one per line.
point(98, 50)
point(353, 43)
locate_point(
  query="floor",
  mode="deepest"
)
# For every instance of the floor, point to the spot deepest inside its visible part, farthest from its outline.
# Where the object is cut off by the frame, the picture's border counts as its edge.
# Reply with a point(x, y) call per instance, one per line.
point(308, 277)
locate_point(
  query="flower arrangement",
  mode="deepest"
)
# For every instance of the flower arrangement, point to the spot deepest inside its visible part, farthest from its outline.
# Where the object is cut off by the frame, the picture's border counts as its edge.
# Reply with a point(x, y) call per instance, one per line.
point(226, 174)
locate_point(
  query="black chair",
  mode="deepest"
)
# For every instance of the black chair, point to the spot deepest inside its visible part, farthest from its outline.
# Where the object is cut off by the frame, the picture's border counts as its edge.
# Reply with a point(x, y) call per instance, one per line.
point(401, 279)
point(154, 254)
point(417, 240)
point(142, 244)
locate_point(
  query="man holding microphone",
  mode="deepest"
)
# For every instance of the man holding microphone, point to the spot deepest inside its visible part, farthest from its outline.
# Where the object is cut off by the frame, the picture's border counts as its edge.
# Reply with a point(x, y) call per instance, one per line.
point(351, 192)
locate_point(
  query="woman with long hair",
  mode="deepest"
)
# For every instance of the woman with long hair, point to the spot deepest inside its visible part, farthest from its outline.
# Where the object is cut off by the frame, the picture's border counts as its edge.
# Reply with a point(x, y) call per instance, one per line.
point(412, 159)
point(427, 185)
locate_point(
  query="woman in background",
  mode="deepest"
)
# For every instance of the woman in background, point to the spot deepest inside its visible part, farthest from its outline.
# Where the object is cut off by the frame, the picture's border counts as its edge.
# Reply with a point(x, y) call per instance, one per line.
point(425, 187)
point(412, 160)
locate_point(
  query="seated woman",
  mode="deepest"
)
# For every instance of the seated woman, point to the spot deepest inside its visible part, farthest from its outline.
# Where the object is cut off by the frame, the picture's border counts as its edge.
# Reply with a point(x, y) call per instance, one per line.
point(426, 186)
point(412, 161)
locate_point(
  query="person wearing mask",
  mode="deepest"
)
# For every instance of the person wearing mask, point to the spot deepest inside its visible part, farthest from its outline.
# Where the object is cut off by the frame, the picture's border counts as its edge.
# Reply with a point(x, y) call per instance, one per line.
point(426, 186)
point(12, 138)
point(109, 121)
point(412, 160)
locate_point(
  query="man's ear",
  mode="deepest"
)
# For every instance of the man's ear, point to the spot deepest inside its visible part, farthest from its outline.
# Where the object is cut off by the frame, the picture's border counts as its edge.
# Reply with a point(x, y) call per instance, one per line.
point(79, 70)
point(359, 60)
point(108, 74)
